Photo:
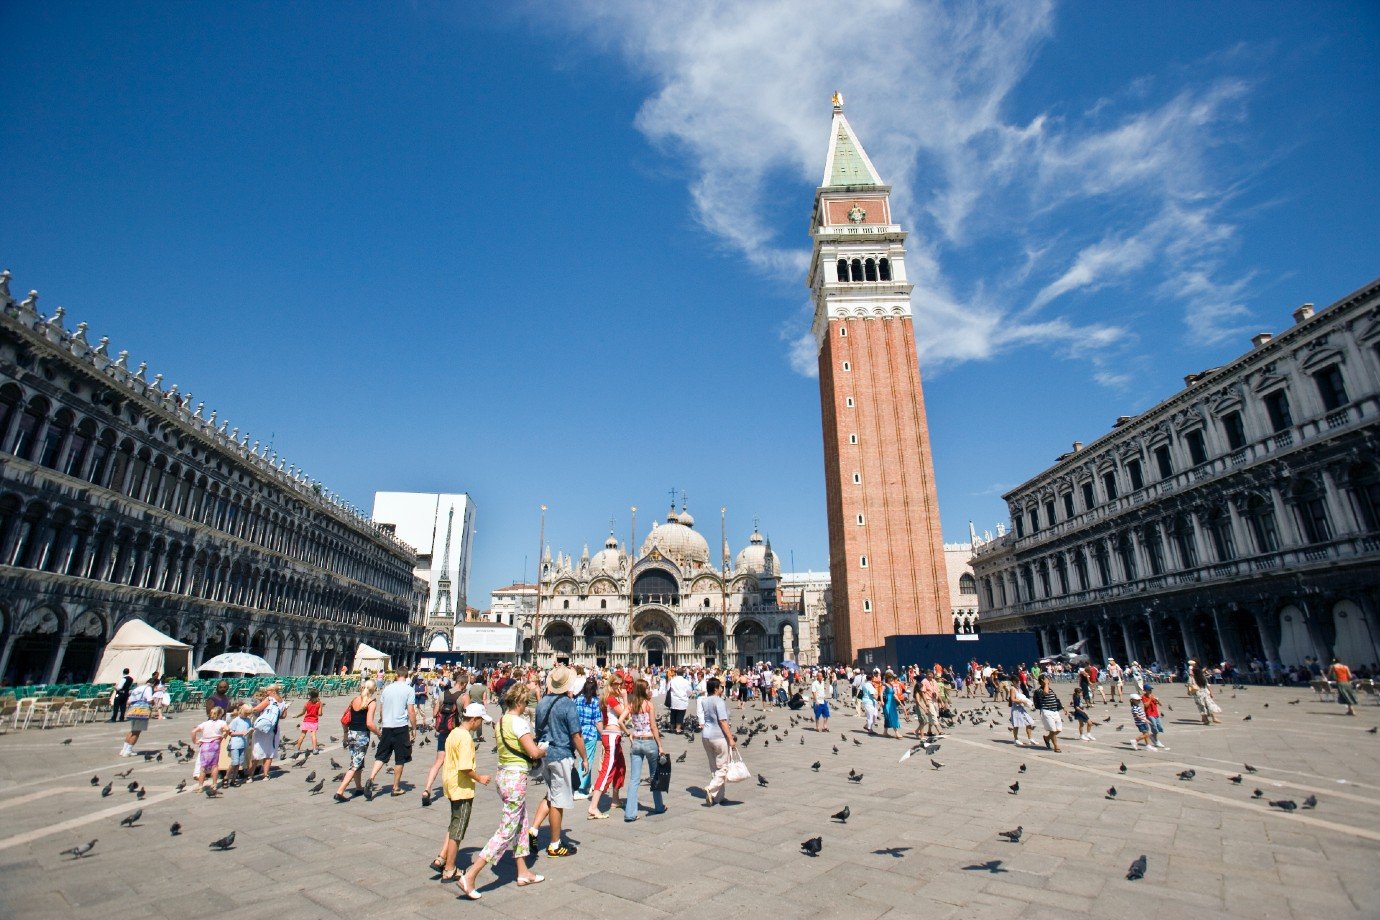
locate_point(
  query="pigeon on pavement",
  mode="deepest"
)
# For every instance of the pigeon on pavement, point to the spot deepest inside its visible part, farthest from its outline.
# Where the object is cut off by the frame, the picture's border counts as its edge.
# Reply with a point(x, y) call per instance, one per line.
point(812, 846)
point(1136, 870)
point(223, 843)
point(77, 852)
point(175, 829)
point(1015, 787)
point(1013, 836)
point(132, 819)
point(842, 816)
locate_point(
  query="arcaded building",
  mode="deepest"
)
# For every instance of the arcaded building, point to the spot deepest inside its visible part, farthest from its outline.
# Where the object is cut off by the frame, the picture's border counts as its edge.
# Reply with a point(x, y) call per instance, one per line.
point(1238, 519)
point(886, 552)
point(666, 605)
point(120, 497)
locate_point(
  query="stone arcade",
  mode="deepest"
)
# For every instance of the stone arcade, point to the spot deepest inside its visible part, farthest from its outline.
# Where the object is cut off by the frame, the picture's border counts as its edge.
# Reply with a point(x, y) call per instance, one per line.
point(120, 499)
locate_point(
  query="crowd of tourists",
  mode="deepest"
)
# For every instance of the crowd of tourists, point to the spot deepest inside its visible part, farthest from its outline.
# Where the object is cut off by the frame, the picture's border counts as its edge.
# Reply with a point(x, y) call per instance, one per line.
point(590, 734)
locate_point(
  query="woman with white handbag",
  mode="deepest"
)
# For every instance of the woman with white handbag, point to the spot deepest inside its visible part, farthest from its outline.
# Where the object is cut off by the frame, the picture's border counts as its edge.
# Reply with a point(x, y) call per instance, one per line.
point(719, 744)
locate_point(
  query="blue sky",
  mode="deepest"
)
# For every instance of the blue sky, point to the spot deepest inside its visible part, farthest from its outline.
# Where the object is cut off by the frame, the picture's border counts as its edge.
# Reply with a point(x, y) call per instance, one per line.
point(555, 252)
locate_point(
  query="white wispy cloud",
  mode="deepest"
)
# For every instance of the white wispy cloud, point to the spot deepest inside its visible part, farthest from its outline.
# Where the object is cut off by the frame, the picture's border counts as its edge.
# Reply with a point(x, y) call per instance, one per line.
point(740, 98)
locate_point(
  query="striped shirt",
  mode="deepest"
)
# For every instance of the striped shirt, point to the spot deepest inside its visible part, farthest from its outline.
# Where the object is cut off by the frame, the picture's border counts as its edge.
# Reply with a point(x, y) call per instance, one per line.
point(1046, 700)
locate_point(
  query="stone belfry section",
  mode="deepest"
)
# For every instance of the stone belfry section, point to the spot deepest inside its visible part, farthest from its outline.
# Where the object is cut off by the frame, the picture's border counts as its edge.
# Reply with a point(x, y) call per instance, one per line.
point(886, 551)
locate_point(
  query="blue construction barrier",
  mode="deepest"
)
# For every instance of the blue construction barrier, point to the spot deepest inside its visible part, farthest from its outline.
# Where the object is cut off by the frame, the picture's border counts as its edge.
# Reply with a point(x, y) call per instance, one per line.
point(1007, 649)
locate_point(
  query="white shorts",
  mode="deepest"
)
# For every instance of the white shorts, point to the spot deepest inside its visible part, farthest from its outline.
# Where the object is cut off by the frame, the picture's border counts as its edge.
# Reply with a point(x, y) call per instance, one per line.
point(1053, 721)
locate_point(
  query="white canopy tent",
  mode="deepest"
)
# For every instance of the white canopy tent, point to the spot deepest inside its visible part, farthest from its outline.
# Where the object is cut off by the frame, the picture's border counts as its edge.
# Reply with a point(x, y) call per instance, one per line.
point(141, 648)
point(371, 658)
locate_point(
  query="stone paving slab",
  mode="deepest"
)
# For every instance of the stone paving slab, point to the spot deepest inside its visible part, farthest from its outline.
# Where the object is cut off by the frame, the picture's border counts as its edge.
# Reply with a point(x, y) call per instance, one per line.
point(1212, 849)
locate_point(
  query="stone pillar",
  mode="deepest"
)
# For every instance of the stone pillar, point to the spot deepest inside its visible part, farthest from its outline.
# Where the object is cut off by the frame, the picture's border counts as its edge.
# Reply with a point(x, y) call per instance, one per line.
point(1102, 642)
point(1129, 643)
point(1063, 638)
point(5, 653)
point(1155, 641)
point(57, 660)
point(1339, 510)
point(1191, 649)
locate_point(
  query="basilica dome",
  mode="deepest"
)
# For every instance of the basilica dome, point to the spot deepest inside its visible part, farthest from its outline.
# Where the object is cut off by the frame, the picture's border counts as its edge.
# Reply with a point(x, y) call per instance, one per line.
point(678, 541)
point(757, 558)
point(608, 560)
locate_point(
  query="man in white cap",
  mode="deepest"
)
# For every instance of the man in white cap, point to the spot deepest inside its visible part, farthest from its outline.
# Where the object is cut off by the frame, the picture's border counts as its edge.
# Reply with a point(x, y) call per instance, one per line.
point(558, 730)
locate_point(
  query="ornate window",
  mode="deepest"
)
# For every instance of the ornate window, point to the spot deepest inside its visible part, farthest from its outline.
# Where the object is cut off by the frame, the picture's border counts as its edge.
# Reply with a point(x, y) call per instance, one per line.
point(1310, 507)
point(870, 270)
point(1219, 529)
point(857, 267)
point(1126, 552)
point(1163, 461)
point(1197, 448)
point(1154, 549)
point(1365, 494)
point(1277, 407)
point(1235, 430)
point(1260, 515)
point(1186, 542)
point(1331, 387)
point(842, 269)
point(884, 269)
point(967, 584)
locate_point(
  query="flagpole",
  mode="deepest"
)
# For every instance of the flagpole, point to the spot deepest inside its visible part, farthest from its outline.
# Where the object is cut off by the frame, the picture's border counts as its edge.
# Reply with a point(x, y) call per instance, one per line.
point(536, 616)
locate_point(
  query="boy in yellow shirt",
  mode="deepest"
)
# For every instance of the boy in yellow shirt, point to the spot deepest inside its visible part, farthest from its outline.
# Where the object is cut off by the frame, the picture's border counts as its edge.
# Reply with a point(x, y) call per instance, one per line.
point(458, 777)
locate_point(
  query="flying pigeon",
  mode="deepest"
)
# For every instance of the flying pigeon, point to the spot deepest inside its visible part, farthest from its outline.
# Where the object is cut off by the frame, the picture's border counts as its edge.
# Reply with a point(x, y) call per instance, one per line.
point(842, 816)
point(132, 819)
point(77, 852)
point(1136, 870)
point(812, 846)
point(224, 843)
point(1013, 836)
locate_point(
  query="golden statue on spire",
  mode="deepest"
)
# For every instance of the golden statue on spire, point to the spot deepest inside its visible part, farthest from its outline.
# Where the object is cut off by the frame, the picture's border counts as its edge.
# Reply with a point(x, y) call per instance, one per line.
point(838, 99)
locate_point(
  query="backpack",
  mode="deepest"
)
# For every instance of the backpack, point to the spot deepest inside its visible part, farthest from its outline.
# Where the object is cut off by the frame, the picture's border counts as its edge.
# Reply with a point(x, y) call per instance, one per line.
point(267, 720)
point(445, 715)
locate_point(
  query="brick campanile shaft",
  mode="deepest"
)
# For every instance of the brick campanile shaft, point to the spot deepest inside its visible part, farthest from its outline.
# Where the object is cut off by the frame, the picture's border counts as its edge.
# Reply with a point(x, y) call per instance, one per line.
point(886, 549)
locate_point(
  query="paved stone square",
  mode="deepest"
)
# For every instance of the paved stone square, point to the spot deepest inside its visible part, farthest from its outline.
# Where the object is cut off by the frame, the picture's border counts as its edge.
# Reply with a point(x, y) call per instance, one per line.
point(914, 846)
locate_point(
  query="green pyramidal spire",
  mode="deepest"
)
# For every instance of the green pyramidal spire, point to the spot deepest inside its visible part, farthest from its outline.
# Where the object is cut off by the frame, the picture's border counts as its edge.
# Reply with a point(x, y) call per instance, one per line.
point(847, 163)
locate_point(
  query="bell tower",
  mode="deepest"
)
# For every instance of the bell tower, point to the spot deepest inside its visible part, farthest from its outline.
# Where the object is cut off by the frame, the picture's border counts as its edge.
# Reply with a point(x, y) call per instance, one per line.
point(886, 550)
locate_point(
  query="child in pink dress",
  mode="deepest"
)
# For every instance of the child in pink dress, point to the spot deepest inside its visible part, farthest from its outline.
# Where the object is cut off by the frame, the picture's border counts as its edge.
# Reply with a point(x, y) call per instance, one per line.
point(207, 736)
point(311, 720)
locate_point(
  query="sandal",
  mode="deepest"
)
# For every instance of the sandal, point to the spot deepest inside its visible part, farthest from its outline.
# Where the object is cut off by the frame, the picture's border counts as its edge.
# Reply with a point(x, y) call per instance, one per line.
point(454, 875)
point(534, 880)
point(597, 816)
point(438, 864)
point(465, 890)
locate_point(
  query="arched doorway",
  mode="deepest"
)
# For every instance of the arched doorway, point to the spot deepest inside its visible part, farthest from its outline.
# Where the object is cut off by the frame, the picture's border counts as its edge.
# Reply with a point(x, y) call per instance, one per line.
point(1355, 645)
point(749, 636)
point(653, 633)
point(709, 641)
point(83, 649)
point(1294, 642)
point(35, 642)
point(598, 636)
point(560, 639)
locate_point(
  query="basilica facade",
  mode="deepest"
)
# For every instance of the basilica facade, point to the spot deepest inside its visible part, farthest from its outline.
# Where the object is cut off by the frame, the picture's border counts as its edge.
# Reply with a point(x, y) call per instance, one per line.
point(666, 605)
point(120, 498)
